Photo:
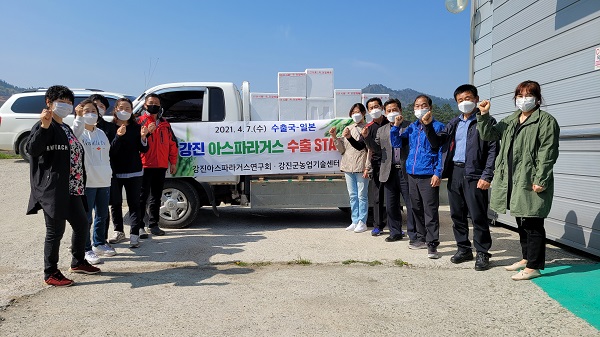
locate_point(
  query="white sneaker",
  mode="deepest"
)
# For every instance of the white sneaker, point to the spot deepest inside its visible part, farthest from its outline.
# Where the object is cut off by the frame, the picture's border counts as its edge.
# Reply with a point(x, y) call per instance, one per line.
point(92, 258)
point(360, 227)
point(134, 240)
point(104, 250)
point(117, 237)
point(143, 233)
point(351, 227)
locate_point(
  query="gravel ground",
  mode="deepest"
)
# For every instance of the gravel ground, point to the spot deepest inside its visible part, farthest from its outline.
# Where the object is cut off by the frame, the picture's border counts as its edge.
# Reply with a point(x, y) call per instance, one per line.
point(242, 274)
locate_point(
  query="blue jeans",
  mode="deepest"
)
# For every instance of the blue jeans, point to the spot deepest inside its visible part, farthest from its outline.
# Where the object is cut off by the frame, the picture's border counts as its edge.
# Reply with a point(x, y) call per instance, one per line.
point(358, 190)
point(97, 200)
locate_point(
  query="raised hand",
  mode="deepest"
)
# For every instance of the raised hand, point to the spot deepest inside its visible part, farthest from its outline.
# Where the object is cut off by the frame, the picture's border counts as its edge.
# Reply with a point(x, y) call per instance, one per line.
point(121, 130)
point(484, 106)
point(46, 118)
point(144, 132)
point(151, 127)
point(398, 120)
point(427, 118)
point(333, 132)
point(346, 133)
point(365, 132)
point(79, 110)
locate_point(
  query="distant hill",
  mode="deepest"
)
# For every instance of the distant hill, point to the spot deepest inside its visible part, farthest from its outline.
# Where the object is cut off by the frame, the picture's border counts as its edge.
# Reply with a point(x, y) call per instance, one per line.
point(407, 96)
point(7, 90)
point(444, 109)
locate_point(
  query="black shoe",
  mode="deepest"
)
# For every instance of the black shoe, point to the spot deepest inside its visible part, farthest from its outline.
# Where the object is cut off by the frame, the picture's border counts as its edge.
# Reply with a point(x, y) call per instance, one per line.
point(143, 233)
point(482, 262)
point(462, 256)
point(157, 231)
point(393, 238)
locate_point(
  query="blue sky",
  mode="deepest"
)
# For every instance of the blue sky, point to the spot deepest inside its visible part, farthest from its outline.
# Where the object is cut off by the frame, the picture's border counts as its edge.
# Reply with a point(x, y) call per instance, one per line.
point(110, 45)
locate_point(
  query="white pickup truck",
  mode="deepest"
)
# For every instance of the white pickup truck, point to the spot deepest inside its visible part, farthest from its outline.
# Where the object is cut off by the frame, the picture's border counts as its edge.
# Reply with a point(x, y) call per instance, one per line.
point(216, 103)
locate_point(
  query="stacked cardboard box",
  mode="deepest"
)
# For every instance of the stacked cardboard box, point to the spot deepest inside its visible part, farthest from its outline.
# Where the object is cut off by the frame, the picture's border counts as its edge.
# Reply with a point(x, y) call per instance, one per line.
point(264, 106)
point(344, 100)
point(292, 108)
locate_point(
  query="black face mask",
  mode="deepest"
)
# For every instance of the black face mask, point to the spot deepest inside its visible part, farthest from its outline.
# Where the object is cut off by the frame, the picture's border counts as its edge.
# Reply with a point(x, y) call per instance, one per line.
point(153, 109)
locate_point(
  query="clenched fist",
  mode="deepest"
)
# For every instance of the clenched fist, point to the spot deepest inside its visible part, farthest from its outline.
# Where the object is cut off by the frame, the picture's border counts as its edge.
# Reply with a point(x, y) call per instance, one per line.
point(144, 132)
point(427, 118)
point(346, 133)
point(484, 106)
point(151, 127)
point(398, 120)
point(46, 118)
point(333, 132)
point(121, 130)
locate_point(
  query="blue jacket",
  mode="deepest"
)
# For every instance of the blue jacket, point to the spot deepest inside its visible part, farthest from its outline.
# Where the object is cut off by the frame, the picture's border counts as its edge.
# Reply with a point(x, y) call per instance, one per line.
point(423, 159)
point(480, 155)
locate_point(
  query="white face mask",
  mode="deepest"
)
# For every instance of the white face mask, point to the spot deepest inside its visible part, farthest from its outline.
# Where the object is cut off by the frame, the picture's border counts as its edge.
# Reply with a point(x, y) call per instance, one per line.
point(420, 113)
point(357, 117)
point(392, 116)
point(123, 115)
point(466, 106)
point(526, 104)
point(101, 111)
point(90, 118)
point(375, 113)
point(62, 110)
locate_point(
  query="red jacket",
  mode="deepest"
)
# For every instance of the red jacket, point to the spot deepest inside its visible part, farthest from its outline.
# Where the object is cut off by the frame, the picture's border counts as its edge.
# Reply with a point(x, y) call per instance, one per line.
point(162, 144)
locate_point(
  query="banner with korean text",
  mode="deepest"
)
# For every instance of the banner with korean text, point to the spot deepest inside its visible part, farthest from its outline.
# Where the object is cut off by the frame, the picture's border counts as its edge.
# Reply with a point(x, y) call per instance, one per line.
point(255, 148)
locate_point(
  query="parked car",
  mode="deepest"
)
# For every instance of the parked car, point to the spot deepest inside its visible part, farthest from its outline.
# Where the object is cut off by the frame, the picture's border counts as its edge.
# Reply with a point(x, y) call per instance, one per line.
point(21, 111)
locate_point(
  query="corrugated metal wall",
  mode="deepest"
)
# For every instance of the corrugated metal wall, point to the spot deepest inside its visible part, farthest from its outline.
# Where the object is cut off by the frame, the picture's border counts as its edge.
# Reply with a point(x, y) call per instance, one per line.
point(552, 42)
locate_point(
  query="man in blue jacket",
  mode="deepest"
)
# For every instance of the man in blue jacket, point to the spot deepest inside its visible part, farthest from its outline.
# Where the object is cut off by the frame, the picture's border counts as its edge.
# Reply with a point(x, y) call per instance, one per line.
point(469, 167)
point(424, 168)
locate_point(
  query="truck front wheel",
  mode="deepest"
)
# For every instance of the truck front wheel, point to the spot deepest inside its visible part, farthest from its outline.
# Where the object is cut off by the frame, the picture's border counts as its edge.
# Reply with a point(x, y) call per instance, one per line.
point(179, 204)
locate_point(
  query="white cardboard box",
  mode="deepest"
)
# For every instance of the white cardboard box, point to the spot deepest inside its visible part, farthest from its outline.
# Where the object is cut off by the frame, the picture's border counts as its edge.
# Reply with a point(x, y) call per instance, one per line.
point(319, 82)
point(264, 106)
point(344, 100)
point(292, 108)
point(291, 84)
point(319, 108)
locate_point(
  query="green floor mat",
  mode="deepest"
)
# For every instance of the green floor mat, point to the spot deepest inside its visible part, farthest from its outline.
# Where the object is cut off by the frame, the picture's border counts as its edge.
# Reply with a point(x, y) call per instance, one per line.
point(575, 287)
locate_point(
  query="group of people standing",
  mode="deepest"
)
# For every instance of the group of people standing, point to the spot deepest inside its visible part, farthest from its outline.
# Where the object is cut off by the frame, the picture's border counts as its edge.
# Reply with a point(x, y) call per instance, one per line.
point(77, 172)
point(471, 150)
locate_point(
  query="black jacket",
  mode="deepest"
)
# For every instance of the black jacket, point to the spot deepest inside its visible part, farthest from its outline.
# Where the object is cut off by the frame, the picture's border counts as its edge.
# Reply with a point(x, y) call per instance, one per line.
point(49, 170)
point(125, 150)
point(369, 140)
point(480, 155)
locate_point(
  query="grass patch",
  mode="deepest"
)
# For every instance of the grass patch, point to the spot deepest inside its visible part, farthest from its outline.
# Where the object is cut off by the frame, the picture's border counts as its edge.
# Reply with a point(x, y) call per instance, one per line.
point(401, 263)
point(301, 261)
point(252, 264)
point(370, 263)
point(9, 156)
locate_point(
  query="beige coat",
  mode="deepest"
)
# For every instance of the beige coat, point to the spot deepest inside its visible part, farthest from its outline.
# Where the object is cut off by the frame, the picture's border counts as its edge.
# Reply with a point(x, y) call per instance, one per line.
point(353, 160)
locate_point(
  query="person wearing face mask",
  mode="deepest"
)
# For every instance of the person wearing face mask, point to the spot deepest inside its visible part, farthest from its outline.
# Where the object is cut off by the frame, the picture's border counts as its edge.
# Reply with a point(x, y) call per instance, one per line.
point(524, 179)
point(424, 168)
point(369, 133)
point(130, 141)
point(110, 129)
point(57, 177)
point(162, 155)
point(393, 175)
point(355, 166)
point(469, 166)
point(97, 186)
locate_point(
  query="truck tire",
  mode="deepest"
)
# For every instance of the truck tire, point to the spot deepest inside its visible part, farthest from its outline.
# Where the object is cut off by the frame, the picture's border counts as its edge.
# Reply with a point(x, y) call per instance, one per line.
point(179, 205)
point(22, 147)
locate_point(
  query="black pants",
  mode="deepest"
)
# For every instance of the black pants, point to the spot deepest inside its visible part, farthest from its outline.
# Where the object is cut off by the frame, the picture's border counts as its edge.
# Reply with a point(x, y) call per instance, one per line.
point(465, 198)
point(377, 195)
point(55, 228)
point(152, 185)
point(396, 185)
point(425, 203)
point(133, 187)
point(532, 236)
